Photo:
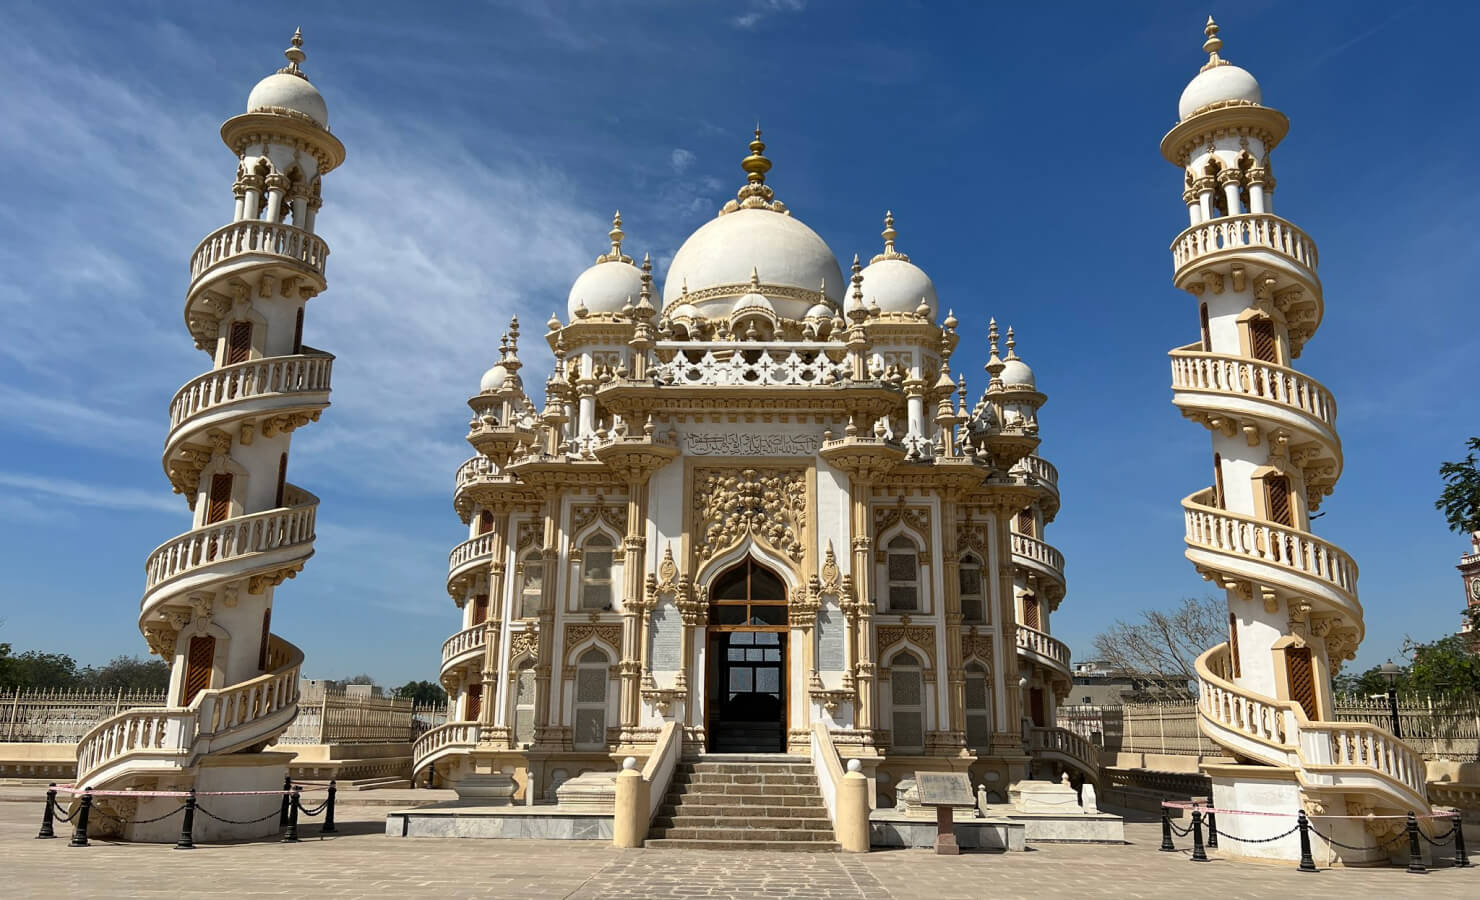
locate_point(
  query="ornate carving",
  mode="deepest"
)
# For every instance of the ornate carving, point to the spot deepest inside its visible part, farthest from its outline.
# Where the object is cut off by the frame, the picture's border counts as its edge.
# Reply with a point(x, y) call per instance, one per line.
point(922, 636)
point(531, 532)
point(608, 633)
point(830, 582)
point(748, 443)
point(770, 504)
point(523, 643)
point(976, 644)
point(612, 514)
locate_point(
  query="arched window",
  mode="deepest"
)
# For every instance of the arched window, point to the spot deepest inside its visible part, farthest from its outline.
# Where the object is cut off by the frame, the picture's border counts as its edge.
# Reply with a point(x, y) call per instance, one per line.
point(524, 703)
point(973, 595)
point(592, 671)
point(596, 572)
point(978, 709)
point(531, 585)
point(907, 703)
point(904, 575)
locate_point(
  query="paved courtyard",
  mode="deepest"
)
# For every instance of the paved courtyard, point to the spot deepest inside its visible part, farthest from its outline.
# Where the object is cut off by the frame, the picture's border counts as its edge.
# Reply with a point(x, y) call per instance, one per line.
point(362, 862)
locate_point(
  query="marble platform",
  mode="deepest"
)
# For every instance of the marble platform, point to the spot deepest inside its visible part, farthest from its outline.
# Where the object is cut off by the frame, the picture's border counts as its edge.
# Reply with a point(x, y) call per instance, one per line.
point(888, 828)
point(464, 819)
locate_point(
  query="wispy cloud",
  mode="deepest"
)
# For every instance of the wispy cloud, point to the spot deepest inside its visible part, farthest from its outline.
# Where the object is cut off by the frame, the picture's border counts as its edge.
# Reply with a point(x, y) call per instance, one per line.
point(80, 493)
point(760, 10)
point(682, 160)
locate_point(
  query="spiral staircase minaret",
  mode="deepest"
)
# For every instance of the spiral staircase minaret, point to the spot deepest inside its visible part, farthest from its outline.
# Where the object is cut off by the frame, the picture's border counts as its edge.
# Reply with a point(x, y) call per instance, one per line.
point(209, 592)
point(1293, 614)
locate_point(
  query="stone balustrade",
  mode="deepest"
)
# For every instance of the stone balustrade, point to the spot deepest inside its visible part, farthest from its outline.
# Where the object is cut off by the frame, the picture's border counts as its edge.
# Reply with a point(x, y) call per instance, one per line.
point(757, 365)
point(464, 641)
point(1044, 471)
point(1261, 541)
point(1066, 743)
point(160, 730)
point(257, 238)
point(1039, 554)
point(1244, 232)
point(451, 736)
point(1196, 370)
point(1240, 710)
point(476, 468)
point(1045, 646)
point(301, 373)
point(208, 545)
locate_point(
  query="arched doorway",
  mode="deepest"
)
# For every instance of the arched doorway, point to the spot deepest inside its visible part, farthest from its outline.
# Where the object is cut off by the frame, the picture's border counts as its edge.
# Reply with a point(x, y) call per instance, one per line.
point(745, 710)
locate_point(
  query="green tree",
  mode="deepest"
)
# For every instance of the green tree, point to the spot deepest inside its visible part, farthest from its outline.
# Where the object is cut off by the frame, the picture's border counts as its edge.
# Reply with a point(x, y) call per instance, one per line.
point(422, 693)
point(1460, 499)
point(1443, 668)
point(34, 669)
point(128, 673)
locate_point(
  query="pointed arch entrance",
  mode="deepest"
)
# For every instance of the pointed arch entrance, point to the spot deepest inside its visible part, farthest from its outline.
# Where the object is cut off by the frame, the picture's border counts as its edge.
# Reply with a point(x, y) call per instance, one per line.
point(745, 710)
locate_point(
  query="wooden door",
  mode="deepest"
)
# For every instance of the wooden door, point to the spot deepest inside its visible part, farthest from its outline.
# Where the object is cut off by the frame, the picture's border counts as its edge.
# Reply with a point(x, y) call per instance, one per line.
point(1035, 706)
point(198, 664)
point(298, 332)
point(239, 343)
point(219, 505)
point(1277, 499)
point(1261, 340)
point(475, 702)
point(480, 609)
point(1030, 613)
point(266, 631)
point(1302, 682)
point(282, 482)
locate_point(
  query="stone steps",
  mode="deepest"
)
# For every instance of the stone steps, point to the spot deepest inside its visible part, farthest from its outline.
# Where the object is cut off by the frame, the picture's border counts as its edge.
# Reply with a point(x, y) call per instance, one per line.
point(744, 802)
point(726, 845)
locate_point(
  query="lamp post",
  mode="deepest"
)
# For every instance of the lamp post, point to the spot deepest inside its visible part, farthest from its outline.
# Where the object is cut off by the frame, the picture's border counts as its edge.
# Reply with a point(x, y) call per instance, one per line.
point(1391, 673)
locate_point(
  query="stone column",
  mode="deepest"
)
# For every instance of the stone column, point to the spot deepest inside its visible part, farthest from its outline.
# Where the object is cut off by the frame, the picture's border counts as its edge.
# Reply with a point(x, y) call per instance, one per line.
point(861, 489)
point(634, 604)
point(545, 661)
point(951, 567)
point(1008, 737)
point(496, 569)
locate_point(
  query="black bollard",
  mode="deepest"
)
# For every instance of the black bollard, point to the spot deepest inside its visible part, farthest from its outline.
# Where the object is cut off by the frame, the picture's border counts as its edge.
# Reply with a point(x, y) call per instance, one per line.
point(1198, 853)
point(46, 817)
point(79, 834)
point(292, 836)
point(187, 827)
point(1415, 858)
point(287, 786)
point(1307, 862)
point(1212, 831)
point(329, 811)
point(1461, 861)
point(1166, 831)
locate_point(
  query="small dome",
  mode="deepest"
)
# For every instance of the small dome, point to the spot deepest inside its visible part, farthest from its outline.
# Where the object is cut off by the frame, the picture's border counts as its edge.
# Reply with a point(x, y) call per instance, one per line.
point(754, 303)
point(898, 286)
point(1218, 85)
point(819, 311)
point(1017, 374)
point(288, 89)
point(493, 379)
point(684, 311)
point(605, 287)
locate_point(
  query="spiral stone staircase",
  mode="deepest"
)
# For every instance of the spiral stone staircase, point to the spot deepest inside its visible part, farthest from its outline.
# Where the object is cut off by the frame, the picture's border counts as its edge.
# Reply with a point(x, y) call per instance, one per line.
point(1264, 695)
point(208, 592)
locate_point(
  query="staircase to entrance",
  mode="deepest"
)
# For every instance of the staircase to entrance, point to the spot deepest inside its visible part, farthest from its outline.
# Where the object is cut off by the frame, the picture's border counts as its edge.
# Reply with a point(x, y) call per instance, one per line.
point(751, 801)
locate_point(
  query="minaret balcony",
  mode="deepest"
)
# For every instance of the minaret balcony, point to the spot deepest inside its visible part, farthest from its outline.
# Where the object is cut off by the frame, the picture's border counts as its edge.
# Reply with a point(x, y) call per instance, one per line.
point(1046, 476)
point(252, 241)
point(466, 560)
point(1044, 649)
point(1268, 238)
point(464, 647)
point(274, 385)
point(1239, 549)
point(1044, 561)
point(265, 543)
point(1237, 389)
point(475, 472)
point(444, 740)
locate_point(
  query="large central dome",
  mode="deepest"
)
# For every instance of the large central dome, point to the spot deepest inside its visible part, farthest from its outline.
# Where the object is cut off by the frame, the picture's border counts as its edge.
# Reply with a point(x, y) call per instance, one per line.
point(755, 239)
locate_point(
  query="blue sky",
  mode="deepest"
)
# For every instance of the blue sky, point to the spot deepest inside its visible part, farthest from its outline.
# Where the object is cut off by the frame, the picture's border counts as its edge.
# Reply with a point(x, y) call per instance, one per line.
point(488, 146)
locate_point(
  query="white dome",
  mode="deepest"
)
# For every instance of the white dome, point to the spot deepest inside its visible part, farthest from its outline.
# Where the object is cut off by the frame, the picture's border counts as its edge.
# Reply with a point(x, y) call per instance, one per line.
point(284, 90)
point(684, 311)
point(898, 286)
point(605, 288)
point(493, 379)
point(779, 248)
point(754, 303)
point(1017, 374)
point(819, 311)
point(1217, 85)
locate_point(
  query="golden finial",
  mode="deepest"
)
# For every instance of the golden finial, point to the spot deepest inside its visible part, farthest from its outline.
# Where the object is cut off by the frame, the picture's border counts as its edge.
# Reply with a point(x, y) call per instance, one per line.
point(756, 165)
point(615, 235)
point(295, 55)
point(889, 235)
point(1212, 45)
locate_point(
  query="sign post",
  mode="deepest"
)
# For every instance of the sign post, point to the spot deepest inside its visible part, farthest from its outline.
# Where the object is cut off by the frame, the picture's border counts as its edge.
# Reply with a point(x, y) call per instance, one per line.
point(945, 790)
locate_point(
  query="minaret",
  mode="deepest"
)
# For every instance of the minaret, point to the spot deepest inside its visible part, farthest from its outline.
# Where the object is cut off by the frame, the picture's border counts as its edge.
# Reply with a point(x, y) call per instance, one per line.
point(1293, 614)
point(209, 592)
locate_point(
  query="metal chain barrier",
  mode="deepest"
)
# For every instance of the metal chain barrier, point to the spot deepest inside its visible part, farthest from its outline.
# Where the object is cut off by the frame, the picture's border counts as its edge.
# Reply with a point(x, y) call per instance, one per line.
point(1224, 833)
point(1402, 835)
point(107, 815)
point(205, 812)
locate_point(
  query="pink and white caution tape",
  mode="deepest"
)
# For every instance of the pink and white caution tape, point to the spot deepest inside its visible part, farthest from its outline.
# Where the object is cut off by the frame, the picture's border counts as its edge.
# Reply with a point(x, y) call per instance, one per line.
point(73, 789)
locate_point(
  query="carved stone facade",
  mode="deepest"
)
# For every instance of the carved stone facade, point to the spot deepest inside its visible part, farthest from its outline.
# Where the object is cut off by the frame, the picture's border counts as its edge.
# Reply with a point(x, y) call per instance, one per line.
point(710, 494)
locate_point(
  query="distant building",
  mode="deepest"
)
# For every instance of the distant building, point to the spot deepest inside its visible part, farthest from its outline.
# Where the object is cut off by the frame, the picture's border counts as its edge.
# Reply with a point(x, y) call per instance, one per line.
point(1469, 570)
point(1096, 684)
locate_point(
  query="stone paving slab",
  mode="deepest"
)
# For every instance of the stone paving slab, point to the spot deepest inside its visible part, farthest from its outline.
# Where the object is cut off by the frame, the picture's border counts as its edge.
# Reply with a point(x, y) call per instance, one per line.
point(362, 862)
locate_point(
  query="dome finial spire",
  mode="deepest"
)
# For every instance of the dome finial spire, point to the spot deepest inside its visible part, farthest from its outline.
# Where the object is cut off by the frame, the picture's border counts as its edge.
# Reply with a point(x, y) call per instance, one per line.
point(756, 165)
point(1212, 45)
point(889, 235)
point(755, 194)
point(615, 235)
point(295, 55)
